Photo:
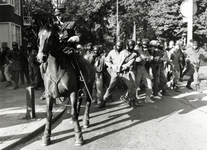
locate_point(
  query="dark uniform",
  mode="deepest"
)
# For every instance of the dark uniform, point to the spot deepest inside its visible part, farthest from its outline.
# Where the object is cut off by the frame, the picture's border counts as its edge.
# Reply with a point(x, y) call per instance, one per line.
point(142, 70)
point(24, 66)
point(34, 70)
point(69, 36)
point(3, 53)
point(68, 29)
point(157, 66)
point(15, 57)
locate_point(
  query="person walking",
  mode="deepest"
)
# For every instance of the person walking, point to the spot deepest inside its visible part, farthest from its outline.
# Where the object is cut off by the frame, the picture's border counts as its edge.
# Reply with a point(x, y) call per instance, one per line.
point(112, 62)
point(3, 52)
point(7, 67)
point(142, 74)
point(175, 60)
point(24, 66)
point(97, 60)
point(159, 78)
point(194, 55)
point(120, 65)
point(89, 50)
point(34, 70)
point(15, 60)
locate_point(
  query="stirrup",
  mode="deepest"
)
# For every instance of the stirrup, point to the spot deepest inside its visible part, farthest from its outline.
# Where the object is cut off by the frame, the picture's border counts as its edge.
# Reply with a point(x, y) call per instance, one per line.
point(81, 93)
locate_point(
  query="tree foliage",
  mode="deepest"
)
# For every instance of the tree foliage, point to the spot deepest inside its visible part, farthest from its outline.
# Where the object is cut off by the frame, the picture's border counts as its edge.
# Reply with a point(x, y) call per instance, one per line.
point(98, 18)
point(166, 19)
point(41, 12)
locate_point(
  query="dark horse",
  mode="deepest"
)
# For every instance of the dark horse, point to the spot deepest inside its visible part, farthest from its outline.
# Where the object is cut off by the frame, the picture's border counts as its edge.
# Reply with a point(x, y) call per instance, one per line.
point(61, 79)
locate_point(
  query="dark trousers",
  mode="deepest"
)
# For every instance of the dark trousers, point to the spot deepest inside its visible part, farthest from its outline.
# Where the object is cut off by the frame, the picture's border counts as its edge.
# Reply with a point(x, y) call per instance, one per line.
point(25, 71)
point(15, 76)
point(186, 70)
point(160, 79)
point(2, 72)
point(34, 73)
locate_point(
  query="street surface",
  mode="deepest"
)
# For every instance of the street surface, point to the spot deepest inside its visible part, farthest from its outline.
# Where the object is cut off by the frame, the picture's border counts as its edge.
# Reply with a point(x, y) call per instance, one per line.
point(176, 122)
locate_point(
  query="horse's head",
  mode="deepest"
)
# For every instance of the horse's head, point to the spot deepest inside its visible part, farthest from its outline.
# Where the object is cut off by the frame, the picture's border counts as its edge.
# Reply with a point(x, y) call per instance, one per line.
point(48, 40)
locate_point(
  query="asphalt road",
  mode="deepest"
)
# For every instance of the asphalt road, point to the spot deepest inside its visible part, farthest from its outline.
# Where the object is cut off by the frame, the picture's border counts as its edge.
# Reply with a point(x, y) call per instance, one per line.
point(176, 122)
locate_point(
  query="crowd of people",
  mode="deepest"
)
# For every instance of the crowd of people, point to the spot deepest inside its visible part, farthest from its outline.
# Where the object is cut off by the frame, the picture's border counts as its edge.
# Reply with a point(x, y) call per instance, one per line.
point(18, 64)
point(155, 66)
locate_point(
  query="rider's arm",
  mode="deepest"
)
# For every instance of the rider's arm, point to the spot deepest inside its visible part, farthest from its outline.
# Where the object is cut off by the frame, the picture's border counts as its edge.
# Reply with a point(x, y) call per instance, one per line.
point(76, 32)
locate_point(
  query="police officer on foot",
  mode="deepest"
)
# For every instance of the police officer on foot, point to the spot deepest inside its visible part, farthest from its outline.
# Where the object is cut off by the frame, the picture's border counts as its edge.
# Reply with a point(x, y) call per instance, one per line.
point(15, 59)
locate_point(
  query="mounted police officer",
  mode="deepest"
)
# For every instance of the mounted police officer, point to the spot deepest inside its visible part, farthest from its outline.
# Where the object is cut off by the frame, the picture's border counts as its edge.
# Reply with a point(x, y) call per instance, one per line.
point(69, 33)
point(69, 36)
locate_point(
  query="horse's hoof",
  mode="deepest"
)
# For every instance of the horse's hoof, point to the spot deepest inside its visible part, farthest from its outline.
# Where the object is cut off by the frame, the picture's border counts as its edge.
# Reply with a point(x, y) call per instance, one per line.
point(71, 121)
point(78, 144)
point(45, 141)
point(102, 104)
point(86, 124)
point(78, 139)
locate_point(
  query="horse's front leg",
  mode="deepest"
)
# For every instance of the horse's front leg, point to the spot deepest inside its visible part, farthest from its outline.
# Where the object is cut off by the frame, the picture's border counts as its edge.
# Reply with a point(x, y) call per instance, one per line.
point(74, 116)
point(86, 117)
point(47, 131)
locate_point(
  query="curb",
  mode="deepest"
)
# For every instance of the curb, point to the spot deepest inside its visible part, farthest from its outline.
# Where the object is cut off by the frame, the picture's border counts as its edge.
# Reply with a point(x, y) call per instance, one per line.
point(35, 130)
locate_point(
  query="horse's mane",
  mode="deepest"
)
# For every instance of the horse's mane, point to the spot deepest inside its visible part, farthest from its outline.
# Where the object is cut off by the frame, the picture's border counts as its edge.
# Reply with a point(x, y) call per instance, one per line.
point(51, 32)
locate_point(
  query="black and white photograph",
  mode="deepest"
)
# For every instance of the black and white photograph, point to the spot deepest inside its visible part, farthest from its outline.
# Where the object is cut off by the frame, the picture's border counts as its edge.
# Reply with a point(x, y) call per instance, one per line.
point(103, 75)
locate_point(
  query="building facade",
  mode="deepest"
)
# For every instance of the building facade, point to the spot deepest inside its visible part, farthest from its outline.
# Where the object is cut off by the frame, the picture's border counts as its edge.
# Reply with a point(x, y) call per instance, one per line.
point(11, 22)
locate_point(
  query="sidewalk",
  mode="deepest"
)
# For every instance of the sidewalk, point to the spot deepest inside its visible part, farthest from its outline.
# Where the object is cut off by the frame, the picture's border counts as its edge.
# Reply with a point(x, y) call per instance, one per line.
point(14, 127)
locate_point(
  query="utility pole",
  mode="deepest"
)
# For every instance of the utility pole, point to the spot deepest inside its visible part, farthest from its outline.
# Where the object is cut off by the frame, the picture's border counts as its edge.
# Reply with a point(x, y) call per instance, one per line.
point(190, 22)
point(117, 21)
point(188, 10)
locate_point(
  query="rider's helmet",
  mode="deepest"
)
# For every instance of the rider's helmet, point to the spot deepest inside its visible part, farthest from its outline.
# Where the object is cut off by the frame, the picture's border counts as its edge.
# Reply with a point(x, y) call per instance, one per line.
point(59, 10)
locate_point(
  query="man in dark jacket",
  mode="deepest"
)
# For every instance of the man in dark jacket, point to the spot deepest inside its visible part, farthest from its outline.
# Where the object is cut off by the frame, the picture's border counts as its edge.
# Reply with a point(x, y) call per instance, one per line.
point(97, 60)
point(24, 66)
point(3, 52)
point(15, 59)
point(69, 33)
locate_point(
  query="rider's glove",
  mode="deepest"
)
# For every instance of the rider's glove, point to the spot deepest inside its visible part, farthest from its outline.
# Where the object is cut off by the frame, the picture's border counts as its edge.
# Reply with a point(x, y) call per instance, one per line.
point(74, 39)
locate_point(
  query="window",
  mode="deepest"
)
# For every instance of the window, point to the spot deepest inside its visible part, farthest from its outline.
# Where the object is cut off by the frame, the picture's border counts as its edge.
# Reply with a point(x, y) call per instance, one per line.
point(15, 3)
point(11, 2)
point(16, 33)
point(4, 1)
point(17, 7)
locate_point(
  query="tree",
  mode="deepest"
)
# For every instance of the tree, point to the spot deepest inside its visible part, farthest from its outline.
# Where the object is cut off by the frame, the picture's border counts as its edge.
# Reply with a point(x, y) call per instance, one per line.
point(92, 18)
point(167, 20)
point(40, 12)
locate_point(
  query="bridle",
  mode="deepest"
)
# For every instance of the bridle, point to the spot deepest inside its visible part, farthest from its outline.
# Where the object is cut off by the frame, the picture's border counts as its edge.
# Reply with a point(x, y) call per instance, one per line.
point(48, 41)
